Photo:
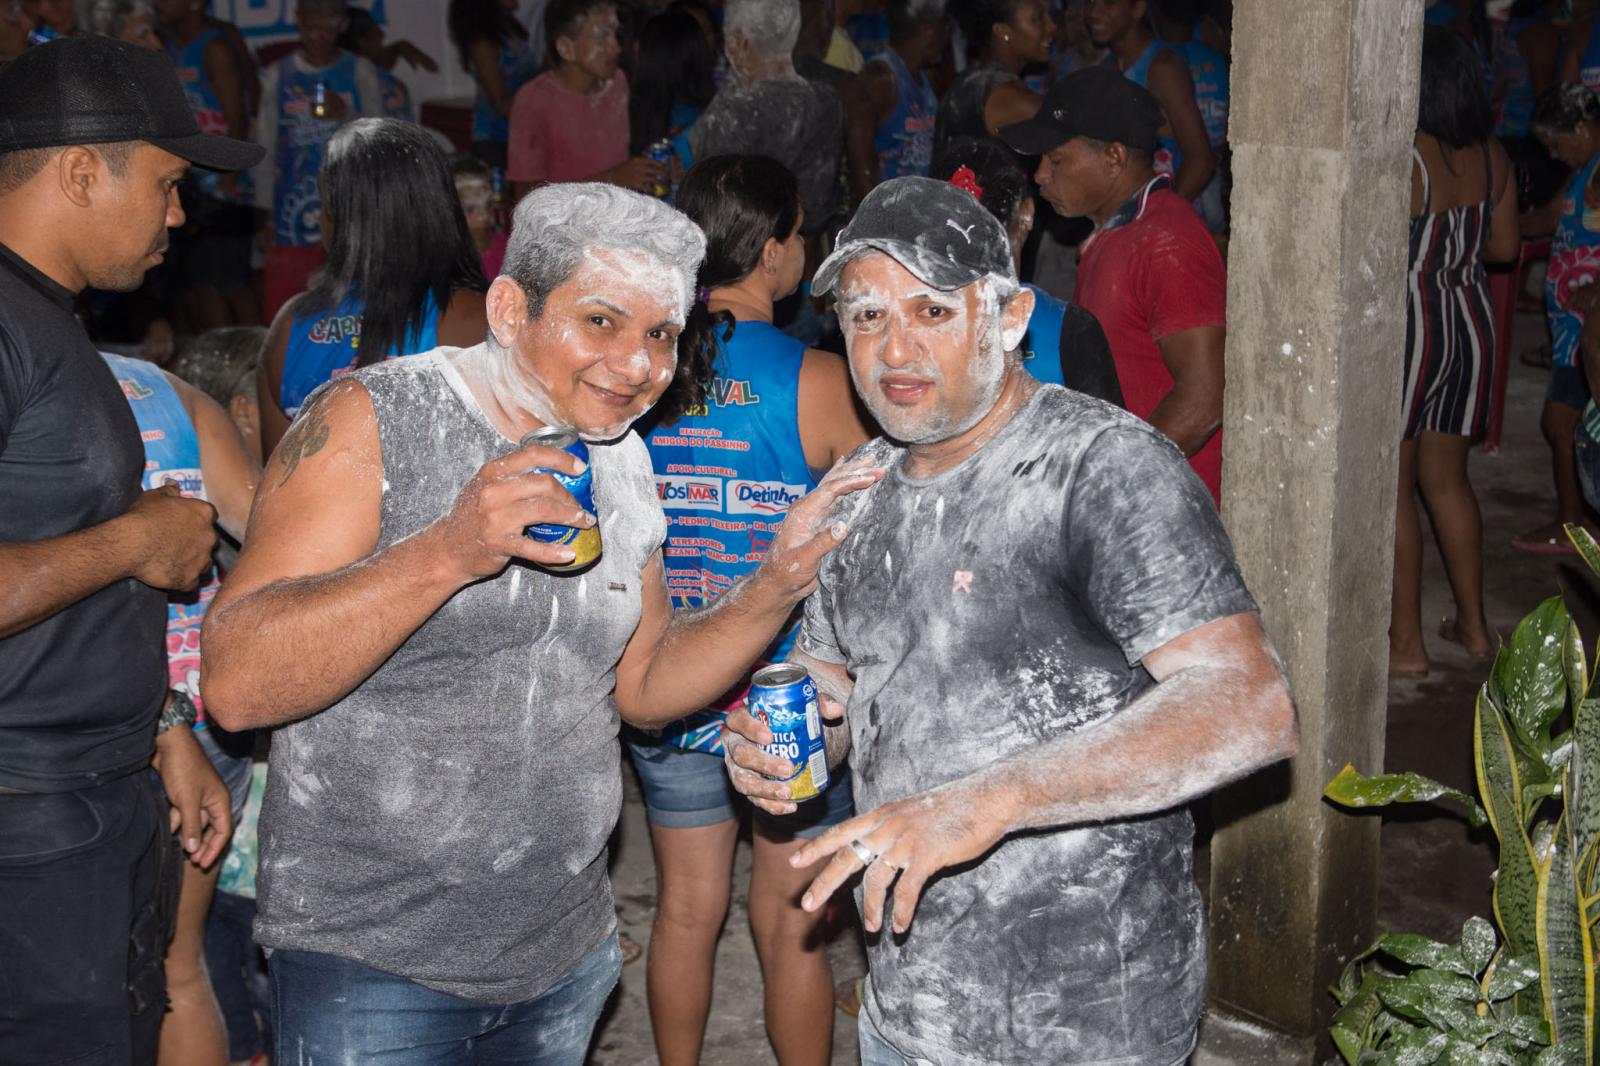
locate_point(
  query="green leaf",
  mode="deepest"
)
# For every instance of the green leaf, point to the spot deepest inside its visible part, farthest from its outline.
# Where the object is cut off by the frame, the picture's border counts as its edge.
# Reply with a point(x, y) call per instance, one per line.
point(1352, 1025)
point(1532, 679)
point(1351, 789)
point(1587, 548)
point(1478, 942)
point(1511, 975)
point(1527, 1029)
point(1566, 955)
point(1447, 985)
point(1415, 950)
point(1562, 1055)
point(1516, 887)
point(1583, 790)
point(1421, 1047)
point(1574, 663)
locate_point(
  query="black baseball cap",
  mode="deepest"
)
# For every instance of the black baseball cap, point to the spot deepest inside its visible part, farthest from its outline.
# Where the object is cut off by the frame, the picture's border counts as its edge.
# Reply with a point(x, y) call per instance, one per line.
point(91, 89)
point(939, 232)
point(1098, 102)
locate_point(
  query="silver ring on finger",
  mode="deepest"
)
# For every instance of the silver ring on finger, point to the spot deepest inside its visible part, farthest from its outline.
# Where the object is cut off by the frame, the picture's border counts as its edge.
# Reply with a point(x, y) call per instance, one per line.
point(864, 853)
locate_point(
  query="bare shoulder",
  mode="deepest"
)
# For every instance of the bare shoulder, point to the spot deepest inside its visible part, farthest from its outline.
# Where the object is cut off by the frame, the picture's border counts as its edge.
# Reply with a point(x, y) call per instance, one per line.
point(1169, 73)
point(464, 321)
point(336, 429)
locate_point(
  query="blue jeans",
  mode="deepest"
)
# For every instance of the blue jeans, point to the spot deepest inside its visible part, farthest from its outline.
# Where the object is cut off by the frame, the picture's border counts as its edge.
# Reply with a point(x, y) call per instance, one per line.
point(330, 1010)
point(876, 1051)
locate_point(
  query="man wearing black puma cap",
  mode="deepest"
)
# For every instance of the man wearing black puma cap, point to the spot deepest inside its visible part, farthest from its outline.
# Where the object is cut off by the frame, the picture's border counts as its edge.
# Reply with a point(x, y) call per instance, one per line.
point(1043, 650)
point(95, 136)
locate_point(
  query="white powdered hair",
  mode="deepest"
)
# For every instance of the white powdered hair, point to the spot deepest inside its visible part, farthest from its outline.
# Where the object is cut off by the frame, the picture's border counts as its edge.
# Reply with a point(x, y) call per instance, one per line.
point(771, 26)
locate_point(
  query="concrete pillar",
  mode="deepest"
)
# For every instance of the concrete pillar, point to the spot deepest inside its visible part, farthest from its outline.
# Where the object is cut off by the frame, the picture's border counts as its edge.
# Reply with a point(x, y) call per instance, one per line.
point(1324, 106)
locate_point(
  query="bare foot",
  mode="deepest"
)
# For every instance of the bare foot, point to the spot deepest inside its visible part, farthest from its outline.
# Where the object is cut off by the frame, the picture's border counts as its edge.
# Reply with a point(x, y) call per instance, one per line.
point(1549, 539)
point(1408, 665)
point(1478, 648)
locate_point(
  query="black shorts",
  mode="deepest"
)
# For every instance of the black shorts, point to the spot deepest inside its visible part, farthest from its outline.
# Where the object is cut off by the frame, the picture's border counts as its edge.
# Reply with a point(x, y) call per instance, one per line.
point(88, 892)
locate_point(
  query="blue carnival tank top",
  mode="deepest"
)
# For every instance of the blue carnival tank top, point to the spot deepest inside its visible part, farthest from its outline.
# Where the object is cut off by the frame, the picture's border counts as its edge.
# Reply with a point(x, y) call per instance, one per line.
point(869, 32)
point(1041, 345)
point(1574, 263)
point(1168, 156)
point(1515, 79)
point(905, 139)
point(190, 63)
point(1589, 61)
point(326, 345)
point(303, 141)
point(517, 64)
point(726, 474)
point(171, 453)
point(1209, 70)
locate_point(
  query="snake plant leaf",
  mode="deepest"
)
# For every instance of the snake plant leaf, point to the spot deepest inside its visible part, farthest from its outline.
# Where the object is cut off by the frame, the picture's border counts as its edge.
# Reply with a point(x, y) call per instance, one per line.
point(1421, 1047)
point(1566, 955)
point(1510, 975)
point(1532, 678)
point(1350, 789)
point(1583, 790)
point(1478, 942)
point(1585, 543)
point(1575, 663)
point(1517, 884)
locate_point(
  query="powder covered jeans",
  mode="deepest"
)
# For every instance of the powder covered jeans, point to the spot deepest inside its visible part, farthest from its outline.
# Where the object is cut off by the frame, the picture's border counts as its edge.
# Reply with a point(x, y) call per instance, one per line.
point(330, 1011)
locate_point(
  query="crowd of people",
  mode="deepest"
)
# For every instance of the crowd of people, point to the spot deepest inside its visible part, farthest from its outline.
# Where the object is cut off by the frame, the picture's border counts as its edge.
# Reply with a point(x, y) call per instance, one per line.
point(892, 339)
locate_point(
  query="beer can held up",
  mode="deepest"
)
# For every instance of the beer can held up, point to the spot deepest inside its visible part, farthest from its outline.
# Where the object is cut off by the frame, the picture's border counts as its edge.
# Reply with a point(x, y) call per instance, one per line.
point(785, 698)
point(585, 542)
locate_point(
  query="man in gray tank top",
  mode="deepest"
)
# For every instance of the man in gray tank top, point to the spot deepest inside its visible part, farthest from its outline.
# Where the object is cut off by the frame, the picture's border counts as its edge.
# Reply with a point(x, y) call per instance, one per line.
point(445, 773)
point(1045, 649)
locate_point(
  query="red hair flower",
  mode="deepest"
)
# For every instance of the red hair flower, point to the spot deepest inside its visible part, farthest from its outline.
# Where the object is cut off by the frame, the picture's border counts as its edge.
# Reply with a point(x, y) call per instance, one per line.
point(964, 178)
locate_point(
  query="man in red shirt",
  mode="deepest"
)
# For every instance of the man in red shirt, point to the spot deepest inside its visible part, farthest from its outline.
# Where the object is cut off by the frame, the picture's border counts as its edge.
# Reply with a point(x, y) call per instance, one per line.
point(1149, 273)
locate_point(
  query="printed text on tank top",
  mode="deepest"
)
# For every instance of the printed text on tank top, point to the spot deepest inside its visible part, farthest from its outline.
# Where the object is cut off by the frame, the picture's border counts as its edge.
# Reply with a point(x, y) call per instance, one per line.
point(172, 455)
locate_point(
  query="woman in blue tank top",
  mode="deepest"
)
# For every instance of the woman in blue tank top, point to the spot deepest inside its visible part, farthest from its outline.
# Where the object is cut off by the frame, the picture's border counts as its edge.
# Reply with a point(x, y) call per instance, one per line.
point(494, 48)
point(751, 423)
point(386, 195)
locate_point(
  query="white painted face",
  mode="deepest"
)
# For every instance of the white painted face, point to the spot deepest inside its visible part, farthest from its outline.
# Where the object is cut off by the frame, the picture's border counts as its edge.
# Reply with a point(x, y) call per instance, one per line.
point(602, 351)
point(929, 364)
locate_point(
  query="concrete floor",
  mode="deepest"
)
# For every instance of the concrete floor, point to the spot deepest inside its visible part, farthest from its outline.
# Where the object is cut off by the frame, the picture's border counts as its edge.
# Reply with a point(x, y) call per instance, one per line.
point(1435, 868)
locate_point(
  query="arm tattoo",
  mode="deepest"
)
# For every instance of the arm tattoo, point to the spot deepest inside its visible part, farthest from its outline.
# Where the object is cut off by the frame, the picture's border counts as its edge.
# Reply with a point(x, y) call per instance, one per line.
point(305, 438)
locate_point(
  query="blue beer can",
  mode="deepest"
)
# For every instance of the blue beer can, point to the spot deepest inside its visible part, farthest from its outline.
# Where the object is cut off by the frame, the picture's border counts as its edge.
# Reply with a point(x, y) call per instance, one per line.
point(785, 698)
point(585, 542)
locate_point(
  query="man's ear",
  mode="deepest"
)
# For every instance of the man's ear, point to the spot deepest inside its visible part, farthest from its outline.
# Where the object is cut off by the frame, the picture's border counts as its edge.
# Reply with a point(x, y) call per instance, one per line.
point(1014, 319)
point(506, 307)
point(79, 170)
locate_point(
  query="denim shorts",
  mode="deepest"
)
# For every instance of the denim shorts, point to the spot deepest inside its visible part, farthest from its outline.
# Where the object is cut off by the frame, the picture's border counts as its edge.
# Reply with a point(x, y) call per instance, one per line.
point(1568, 386)
point(690, 789)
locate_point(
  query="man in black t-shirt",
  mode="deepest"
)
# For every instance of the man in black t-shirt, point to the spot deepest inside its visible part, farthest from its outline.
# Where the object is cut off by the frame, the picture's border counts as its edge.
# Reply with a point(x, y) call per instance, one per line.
point(1044, 649)
point(95, 136)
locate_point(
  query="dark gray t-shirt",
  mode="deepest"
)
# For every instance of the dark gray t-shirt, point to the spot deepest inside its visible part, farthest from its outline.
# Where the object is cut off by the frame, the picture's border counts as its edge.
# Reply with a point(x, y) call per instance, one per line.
point(996, 607)
point(797, 122)
point(447, 820)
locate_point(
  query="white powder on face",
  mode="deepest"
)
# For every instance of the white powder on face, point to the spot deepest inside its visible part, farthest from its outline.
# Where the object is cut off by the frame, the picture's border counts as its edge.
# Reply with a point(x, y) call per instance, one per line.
point(984, 373)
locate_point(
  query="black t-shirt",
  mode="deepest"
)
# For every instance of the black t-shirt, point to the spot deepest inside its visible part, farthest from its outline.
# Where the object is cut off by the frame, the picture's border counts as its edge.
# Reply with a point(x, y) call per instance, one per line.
point(999, 606)
point(80, 691)
point(1086, 363)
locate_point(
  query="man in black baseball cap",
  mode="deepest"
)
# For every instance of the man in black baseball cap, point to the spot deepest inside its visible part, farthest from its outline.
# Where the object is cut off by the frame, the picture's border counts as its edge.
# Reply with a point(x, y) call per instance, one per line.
point(1150, 273)
point(1037, 633)
point(94, 137)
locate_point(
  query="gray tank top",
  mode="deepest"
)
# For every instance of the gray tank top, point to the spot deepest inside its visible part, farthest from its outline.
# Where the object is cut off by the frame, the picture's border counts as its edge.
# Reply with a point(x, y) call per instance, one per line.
point(447, 820)
point(961, 114)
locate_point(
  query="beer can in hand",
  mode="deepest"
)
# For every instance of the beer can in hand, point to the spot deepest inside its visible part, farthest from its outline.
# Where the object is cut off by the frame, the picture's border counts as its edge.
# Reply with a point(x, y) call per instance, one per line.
point(661, 151)
point(785, 698)
point(585, 542)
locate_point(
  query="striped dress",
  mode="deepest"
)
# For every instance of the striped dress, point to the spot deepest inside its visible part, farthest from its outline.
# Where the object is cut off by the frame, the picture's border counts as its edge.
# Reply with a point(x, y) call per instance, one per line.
point(1449, 356)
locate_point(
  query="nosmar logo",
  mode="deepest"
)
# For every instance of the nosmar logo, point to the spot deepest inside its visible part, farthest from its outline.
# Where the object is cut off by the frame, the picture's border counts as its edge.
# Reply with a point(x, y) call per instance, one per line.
point(691, 493)
point(762, 497)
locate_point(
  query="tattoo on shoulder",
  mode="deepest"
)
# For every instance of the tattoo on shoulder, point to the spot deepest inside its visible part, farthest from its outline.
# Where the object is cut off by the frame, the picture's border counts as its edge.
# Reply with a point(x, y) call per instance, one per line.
point(305, 438)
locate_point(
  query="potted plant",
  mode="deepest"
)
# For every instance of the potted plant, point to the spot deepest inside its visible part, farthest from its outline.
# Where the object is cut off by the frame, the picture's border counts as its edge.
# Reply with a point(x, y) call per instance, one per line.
point(1520, 989)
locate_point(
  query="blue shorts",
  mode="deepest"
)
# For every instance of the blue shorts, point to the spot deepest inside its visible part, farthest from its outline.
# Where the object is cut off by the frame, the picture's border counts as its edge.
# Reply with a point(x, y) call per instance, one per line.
point(1568, 386)
point(690, 789)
